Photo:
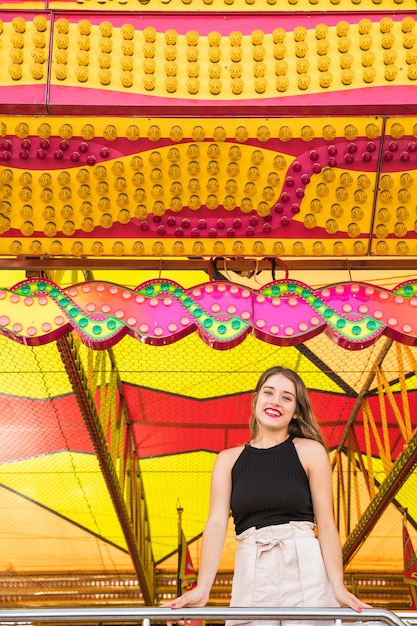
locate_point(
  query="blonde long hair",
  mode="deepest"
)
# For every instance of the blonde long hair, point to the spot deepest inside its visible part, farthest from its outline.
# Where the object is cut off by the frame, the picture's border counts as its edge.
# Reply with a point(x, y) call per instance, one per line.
point(305, 425)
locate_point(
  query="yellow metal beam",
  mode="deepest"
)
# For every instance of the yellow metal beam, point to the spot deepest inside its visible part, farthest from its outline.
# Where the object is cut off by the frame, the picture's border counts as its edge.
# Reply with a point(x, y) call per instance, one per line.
point(137, 538)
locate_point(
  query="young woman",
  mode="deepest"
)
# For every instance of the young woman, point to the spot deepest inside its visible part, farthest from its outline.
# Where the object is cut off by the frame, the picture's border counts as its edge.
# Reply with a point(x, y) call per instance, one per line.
point(279, 490)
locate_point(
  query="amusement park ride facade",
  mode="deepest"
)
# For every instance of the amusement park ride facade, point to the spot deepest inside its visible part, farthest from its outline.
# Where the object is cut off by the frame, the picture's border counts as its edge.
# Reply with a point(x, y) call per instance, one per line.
point(253, 137)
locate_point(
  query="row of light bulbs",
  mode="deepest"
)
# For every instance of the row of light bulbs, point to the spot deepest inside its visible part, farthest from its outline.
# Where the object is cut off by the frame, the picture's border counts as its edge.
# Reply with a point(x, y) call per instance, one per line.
point(217, 248)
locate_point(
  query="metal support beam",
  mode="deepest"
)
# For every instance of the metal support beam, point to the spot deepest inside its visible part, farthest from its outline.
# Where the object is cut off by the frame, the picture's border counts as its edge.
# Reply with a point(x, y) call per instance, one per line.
point(399, 473)
point(249, 264)
point(78, 379)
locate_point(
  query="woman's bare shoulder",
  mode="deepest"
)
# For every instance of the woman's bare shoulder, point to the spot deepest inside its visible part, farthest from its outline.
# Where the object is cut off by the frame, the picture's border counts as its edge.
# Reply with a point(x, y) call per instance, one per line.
point(311, 453)
point(229, 456)
point(310, 445)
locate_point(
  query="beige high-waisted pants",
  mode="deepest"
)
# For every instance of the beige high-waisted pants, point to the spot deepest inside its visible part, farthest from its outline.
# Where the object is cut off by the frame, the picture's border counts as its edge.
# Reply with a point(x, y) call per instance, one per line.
point(280, 566)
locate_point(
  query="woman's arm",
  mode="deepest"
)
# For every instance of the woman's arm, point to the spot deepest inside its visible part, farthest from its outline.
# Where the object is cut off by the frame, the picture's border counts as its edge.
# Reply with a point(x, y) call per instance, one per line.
point(316, 463)
point(214, 531)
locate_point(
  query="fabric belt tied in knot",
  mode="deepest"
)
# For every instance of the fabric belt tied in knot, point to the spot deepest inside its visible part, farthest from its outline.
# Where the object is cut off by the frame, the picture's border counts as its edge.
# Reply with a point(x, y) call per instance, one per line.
point(266, 544)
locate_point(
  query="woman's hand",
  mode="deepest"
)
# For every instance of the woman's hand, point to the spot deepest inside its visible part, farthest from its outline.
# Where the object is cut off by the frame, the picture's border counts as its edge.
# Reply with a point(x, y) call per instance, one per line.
point(350, 601)
point(197, 596)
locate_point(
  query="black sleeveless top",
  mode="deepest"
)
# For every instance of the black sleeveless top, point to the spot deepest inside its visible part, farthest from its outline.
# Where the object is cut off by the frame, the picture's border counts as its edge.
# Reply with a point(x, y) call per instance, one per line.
point(270, 487)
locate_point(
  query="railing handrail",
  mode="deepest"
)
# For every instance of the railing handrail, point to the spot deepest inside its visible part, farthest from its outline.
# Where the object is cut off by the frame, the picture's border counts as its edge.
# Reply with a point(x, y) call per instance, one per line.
point(149, 614)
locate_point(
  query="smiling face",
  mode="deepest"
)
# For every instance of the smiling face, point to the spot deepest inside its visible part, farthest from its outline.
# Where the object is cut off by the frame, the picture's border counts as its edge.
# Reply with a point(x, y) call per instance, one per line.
point(275, 405)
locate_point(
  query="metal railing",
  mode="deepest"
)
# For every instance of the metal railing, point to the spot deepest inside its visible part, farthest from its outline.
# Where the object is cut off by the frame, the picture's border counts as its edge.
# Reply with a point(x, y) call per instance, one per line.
point(409, 617)
point(147, 615)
